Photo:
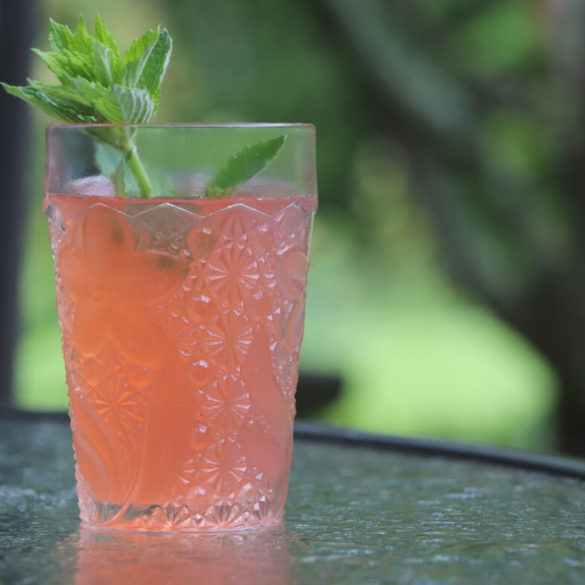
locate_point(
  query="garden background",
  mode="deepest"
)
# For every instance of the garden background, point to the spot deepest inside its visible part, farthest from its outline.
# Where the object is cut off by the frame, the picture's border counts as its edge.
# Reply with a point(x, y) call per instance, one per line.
point(446, 285)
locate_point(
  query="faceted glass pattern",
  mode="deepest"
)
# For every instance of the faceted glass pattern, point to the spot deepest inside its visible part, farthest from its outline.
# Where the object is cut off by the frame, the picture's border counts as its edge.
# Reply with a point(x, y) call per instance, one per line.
point(182, 322)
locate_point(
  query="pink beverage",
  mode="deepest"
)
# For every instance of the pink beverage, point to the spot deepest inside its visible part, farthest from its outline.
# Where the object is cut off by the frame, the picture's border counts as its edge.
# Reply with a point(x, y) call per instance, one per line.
point(182, 321)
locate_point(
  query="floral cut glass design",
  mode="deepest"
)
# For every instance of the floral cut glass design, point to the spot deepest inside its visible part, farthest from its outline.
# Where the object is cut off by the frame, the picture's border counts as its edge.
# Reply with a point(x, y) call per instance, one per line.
point(182, 317)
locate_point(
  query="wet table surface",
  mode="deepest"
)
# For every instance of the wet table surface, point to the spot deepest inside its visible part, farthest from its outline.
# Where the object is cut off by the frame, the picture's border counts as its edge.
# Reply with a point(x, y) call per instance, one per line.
point(360, 510)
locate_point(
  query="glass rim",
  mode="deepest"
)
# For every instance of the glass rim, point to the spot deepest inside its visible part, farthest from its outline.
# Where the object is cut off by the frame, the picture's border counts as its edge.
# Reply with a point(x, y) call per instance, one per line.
point(194, 125)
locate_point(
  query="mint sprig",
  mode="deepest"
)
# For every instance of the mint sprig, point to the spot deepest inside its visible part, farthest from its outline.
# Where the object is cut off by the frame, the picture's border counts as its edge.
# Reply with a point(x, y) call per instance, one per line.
point(100, 85)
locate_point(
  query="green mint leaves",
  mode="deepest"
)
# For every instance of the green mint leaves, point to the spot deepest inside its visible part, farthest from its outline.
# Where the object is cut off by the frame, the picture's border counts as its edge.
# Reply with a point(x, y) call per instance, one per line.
point(245, 164)
point(100, 85)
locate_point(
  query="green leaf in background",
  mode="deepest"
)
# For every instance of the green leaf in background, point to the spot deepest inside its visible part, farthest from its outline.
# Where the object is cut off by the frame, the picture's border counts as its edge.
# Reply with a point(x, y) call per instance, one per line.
point(244, 165)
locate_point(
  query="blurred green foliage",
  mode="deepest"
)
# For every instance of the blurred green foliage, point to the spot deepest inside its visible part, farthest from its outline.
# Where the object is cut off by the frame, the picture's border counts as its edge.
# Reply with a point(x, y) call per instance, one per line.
point(418, 356)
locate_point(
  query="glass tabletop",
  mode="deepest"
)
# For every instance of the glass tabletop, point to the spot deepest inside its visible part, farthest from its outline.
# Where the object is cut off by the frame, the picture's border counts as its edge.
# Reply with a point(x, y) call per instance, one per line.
point(360, 510)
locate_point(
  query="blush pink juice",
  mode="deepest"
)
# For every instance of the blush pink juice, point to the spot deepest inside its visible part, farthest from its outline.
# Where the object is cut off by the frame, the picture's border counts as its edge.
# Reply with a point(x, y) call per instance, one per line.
point(182, 321)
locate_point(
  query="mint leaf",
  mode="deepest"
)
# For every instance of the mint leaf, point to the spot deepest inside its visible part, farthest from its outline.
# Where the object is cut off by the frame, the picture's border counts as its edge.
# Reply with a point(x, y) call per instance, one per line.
point(140, 46)
point(66, 65)
point(122, 104)
point(55, 106)
point(104, 36)
point(108, 68)
point(242, 166)
point(60, 36)
point(146, 69)
point(81, 41)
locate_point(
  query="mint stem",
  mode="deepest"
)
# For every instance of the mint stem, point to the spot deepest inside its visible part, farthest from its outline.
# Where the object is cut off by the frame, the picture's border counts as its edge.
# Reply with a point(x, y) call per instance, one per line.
point(138, 170)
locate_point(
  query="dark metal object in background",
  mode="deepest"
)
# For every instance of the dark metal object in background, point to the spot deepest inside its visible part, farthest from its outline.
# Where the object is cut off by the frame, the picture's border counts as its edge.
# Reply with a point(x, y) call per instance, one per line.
point(16, 34)
point(422, 447)
point(314, 391)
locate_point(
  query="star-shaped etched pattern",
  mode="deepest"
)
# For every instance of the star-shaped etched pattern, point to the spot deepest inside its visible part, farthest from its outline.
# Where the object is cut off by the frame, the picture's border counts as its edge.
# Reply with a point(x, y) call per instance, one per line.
point(227, 340)
point(119, 406)
point(224, 466)
point(226, 404)
point(232, 274)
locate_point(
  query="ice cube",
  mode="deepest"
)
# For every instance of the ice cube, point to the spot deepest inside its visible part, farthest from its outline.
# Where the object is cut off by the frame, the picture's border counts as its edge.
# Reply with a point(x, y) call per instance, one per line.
point(96, 185)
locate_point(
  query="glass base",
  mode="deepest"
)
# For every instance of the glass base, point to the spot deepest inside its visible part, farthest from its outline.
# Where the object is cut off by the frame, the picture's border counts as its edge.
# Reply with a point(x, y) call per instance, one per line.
point(179, 518)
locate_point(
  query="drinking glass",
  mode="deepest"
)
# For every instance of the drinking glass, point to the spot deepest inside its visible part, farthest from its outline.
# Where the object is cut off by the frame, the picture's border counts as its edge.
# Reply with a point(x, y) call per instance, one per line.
point(181, 318)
